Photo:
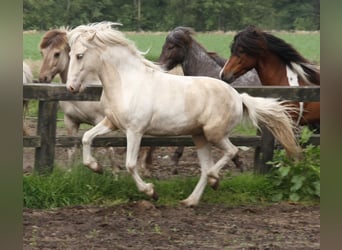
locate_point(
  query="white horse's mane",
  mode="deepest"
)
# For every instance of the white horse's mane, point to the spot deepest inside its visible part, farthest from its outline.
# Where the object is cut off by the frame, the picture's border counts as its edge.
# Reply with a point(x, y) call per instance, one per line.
point(102, 34)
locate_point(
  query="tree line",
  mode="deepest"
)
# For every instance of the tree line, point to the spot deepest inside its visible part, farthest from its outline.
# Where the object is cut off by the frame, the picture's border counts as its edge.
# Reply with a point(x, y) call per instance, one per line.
point(164, 15)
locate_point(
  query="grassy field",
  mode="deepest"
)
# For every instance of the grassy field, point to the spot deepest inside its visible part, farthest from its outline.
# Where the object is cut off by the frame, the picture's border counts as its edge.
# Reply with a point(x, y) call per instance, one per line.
point(306, 43)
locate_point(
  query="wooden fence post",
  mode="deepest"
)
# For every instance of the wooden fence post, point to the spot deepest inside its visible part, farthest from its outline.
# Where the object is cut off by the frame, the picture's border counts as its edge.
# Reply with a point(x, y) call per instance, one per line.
point(264, 152)
point(46, 129)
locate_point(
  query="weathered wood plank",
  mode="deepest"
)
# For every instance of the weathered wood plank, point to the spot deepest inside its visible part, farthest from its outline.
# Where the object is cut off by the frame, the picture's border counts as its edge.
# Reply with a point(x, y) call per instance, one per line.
point(116, 141)
point(311, 93)
point(56, 92)
point(264, 151)
point(167, 141)
point(31, 141)
point(46, 128)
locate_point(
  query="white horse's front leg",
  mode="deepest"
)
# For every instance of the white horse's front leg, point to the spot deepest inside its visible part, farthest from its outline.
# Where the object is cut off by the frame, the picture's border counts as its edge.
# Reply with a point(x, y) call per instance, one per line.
point(133, 145)
point(101, 128)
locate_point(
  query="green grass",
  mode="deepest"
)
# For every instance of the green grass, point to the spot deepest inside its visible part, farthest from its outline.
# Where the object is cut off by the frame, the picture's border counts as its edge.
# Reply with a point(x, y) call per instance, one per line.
point(306, 43)
point(31, 46)
point(80, 186)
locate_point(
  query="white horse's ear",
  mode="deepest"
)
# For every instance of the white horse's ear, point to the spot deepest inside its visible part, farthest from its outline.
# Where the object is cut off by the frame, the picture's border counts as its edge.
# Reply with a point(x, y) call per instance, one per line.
point(92, 35)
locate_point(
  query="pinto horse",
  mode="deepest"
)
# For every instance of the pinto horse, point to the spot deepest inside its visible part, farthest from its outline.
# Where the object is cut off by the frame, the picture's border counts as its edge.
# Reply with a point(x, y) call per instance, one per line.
point(140, 98)
point(180, 48)
point(55, 50)
point(277, 63)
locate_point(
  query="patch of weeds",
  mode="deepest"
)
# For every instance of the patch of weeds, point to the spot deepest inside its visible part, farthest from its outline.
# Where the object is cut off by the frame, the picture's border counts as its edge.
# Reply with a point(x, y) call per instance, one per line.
point(297, 180)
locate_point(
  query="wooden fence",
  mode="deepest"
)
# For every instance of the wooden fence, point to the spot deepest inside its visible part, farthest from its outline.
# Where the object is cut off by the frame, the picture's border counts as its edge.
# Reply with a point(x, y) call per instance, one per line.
point(46, 139)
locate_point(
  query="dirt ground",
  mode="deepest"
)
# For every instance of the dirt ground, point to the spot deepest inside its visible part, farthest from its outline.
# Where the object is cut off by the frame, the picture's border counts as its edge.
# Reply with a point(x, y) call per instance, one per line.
point(143, 225)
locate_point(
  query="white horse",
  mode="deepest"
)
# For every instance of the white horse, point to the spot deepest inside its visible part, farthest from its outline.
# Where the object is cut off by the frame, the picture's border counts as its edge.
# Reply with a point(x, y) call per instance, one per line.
point(139, 98)
point(27, 78)
point(55, 49)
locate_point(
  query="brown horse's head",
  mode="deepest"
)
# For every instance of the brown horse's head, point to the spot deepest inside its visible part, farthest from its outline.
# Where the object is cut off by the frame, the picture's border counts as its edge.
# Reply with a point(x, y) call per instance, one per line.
point(175, 47)
point(246, 48)
point(54, 49)
point(253, 48)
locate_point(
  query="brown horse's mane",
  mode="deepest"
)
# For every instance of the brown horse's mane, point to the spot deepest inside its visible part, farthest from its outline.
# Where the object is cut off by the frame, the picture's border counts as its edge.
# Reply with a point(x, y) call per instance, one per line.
point(56, 38)
point(255, 42)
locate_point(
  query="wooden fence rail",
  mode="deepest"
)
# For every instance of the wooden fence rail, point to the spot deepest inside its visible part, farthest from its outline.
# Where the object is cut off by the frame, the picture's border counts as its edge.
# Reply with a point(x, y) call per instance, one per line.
point(46, 140)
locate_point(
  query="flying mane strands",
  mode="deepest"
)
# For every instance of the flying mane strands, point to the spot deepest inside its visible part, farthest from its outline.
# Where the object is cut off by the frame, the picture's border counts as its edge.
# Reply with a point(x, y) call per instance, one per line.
point(102, 33)
point(303, 67)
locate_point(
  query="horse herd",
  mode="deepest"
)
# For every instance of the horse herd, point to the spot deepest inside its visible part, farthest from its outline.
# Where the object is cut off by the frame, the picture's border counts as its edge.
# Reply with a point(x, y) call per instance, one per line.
point(139, 97)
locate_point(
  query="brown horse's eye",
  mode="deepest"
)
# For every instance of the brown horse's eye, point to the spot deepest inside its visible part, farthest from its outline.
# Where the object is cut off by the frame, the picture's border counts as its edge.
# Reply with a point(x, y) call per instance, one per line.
point(56, 55)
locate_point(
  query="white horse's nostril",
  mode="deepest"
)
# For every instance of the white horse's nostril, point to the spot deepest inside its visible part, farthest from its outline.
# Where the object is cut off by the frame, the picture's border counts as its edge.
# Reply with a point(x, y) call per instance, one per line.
point(71, 89)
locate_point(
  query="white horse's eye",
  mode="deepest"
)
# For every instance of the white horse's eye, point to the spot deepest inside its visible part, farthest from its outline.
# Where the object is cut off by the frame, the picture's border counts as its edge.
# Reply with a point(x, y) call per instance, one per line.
point(79, 56)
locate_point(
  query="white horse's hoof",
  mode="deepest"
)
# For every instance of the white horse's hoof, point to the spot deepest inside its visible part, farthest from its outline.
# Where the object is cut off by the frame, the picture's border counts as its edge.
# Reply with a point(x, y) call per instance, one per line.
point(149, 190)
point(189, 203)
point(95, 167)
point(213, 181)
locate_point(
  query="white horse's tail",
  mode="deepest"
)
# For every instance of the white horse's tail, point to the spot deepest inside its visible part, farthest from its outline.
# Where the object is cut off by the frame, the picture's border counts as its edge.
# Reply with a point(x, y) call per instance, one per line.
point(275, 116)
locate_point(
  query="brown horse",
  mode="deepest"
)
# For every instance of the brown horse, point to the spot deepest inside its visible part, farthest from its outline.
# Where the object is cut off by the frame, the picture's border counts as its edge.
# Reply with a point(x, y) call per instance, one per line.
point(55, 50)
point(277, 63)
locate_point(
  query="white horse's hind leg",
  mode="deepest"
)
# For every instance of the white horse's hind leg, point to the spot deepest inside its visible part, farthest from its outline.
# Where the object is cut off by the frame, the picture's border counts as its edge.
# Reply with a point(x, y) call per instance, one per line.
point(72, 128)
point(229, 151)
point(133, 145)
point(101, 128)
point(204, 155)
point(111, 154)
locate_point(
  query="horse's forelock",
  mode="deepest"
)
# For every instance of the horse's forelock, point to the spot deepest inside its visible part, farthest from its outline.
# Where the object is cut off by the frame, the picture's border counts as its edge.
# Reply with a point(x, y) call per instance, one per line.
point(182, 36)
point(251, 40)
point(56, 38)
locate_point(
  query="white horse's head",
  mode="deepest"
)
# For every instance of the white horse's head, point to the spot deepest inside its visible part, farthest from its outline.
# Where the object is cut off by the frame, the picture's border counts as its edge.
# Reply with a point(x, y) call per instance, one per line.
point(85, 45)
point(91, 45)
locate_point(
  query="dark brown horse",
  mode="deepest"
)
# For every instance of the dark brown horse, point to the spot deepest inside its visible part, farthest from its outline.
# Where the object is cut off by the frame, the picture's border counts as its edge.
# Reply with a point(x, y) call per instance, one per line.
point(180, 48)
point(277, 63)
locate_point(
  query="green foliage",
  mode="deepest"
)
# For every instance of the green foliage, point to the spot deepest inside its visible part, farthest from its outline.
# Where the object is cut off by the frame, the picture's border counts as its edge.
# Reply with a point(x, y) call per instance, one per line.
point(161, 15)
point(297, 180)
